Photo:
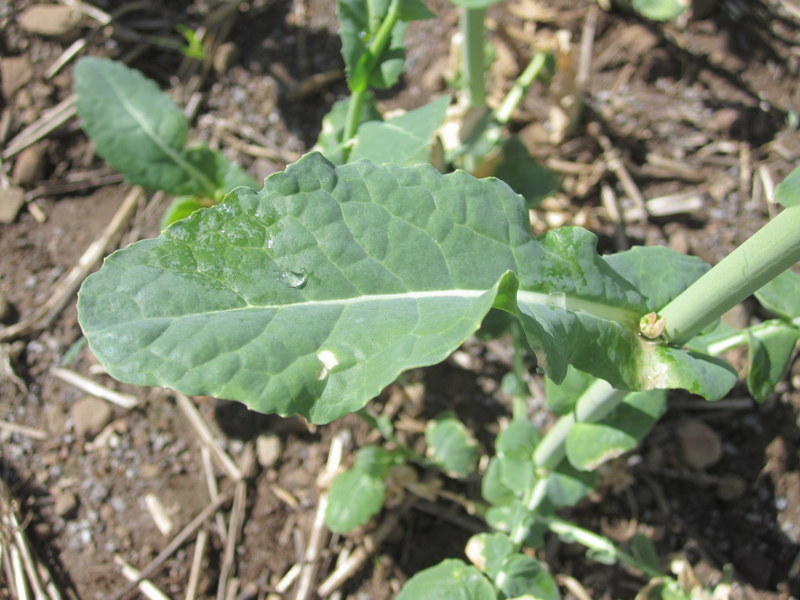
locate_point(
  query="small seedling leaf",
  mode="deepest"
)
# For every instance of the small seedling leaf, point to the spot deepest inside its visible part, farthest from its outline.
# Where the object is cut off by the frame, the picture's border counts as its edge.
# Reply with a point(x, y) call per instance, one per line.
point(141, 133)
point(787, 192)
point(591, 444)
point(403, 140)
point(493, 488)
point(562, 397)
point(643, 550)
point(520, 574)
point(659, 10)
point(488, 550)
point(518, 440)
point(781, 296)
point(375, 461)
point(330, 141)
point(769, 353)
point(181, 207)
point(354, 498)
point(451, 446)
point(566, 486)
point(451, 579)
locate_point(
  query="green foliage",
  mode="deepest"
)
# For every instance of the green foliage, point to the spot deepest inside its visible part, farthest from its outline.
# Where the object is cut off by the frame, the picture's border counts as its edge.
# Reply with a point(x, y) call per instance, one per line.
point(658, 10)
point(449, 580)
point(787, 192)
point(451, 446)
point(141, 133)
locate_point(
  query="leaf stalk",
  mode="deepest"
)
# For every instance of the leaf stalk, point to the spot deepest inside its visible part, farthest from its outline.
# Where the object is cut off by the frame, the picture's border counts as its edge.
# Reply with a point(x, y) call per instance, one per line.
point(770, 251)
point(471, 21)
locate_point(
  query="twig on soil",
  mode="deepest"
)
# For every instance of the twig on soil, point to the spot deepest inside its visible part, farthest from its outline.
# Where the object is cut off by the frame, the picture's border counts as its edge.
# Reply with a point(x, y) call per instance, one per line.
point(617, 166)
point(197, 564)
point(65, 57)
point(587, 44)
point(159, 514)
point(95, 389)
point(44, 316)
point(213, 490)
point(35, 434)
point(50, 120)
point(236, 522)
point(316, 539)
point(203, 431)
point(24, 570)
point(148, 588)
point(370, 544)
point(176, 543)
point(615, 213)
point(287, 581)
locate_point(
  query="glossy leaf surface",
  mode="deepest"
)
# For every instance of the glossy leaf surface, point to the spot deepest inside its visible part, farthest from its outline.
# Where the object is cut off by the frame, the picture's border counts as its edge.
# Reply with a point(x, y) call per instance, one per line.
point(313, 294)
point(451, 579)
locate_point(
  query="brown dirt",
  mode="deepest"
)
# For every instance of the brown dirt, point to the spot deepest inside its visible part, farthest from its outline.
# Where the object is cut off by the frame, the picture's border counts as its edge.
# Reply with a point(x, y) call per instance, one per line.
point(702, 107)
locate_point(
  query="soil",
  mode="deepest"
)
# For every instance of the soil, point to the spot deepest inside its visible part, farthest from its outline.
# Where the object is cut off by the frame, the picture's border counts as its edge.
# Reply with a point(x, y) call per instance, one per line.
point(700, 112)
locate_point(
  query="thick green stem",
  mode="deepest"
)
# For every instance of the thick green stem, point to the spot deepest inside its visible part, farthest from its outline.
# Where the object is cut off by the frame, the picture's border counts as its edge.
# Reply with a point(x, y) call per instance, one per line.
point(517, 92)
point(472, 55)
point(353, 120)
point(770, 251)
point(599, 543)
point(595, 403)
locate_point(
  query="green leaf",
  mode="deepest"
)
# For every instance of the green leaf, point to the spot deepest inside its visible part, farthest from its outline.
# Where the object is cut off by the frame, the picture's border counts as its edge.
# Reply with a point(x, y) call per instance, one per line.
point(487, 551)
point(330, 141)
point(376, 461)
point(562, 397)
point(403, 140)
point(354, 498)
point(589, 445)
point(520, 574)
point(518, 440)
point(644, 551)
point(451, 579)
point(493, 487)
point(141, 133)
point(181, 207)
point(313, 294)
point(769, 353)
point(524, 174)
point(451, 446)
point(658, 273)
point(359, 22)
point(415, 10)
point(787, 192)
point(658, 10)
point(566, 486)
point(781, 296)
point(514, 517)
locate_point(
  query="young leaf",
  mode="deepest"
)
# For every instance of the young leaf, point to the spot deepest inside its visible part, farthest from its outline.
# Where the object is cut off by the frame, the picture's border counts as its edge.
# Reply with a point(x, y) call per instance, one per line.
point(179, 208)
point(562, 397)
point(403, 140)
point(451, 446)
point(488, 550)
point(781, 296)
point(566, 486)
point(141, 133)
point(354, 498)
point(376, 461)
point(520, 574)
point(493, 487)
point(451, 579)
point(330, 141)
point(769, 354)
point(787, 192)
point(312, 295)
point(658, 10)
point(591, 444)
point(472, 4)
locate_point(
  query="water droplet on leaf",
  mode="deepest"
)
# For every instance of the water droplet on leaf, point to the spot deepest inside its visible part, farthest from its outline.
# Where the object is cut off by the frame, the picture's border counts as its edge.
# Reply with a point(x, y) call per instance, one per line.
point(294, 279)
point(557, 299)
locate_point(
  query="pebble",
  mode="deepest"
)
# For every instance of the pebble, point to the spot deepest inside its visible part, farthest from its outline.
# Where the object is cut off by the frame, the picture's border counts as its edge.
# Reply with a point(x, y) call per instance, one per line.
point(268, 450)
point(49, 19)
point(56, 419)
point(15, 72)
point(12, 199)
point(29, 167)
point(89, 416)
point(66, 504)
point(700, 445)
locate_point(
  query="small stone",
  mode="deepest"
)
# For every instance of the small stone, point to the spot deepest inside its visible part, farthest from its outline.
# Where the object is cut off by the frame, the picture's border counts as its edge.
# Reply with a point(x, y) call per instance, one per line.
point(56, 419)
point(12, 199)
point(149, 471)
point(730, 488)
point(268, 450)
point(89, 416)
point(15, 72)
point(66, 504)
point(49, 19)
point(29, 167)
point(700, 445)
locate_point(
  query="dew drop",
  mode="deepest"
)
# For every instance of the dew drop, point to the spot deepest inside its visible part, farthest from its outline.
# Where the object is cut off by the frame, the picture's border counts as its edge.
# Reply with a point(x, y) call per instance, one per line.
point(557, 299)
point(294, 279)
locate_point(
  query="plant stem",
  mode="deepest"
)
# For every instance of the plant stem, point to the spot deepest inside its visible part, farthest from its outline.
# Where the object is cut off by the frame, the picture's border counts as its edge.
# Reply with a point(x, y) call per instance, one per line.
point(517, 92)
point(353, 120)
point(770, 251)
point(599, 543)
point(596, 402)
point(472, 55)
